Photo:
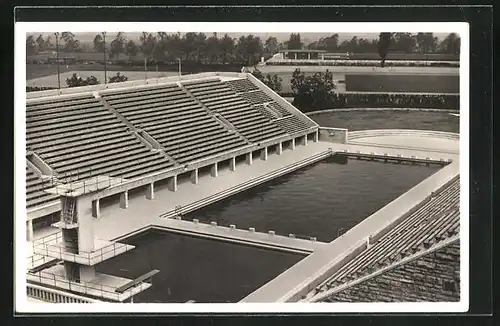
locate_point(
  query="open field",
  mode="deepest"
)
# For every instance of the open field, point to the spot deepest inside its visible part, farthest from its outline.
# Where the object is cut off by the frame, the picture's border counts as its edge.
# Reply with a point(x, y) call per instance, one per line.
point(51, 81)
point(402, 83)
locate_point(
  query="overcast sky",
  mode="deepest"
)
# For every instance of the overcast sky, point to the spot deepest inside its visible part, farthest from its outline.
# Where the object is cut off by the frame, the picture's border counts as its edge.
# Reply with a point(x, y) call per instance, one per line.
point(306, 37)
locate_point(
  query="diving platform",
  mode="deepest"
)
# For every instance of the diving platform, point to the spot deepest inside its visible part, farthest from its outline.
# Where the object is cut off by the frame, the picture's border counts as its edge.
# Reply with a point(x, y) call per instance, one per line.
point(54, 246)
point(102, 286)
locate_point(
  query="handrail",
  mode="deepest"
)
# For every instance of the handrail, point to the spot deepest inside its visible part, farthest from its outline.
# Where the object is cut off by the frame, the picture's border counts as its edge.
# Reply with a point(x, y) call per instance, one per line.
point(52, 295)
point(46, 243)
point(59, 281)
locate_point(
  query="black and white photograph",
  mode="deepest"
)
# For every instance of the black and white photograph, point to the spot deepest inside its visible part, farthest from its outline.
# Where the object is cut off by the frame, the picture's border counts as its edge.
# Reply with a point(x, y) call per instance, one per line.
point(251, 167)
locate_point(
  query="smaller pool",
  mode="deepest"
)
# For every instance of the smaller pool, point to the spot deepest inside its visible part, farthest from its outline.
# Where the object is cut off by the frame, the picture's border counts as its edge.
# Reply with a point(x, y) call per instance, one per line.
point(191, 268)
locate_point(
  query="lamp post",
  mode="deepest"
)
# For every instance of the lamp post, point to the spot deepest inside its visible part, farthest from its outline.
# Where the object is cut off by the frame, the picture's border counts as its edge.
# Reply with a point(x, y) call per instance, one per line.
point(180, 62)
point(104, 51)
point(56, 34)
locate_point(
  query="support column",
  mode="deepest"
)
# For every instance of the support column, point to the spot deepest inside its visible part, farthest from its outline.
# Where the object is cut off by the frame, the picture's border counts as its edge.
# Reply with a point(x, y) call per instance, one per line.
point(295, 55)
point(263, 154)
point(309, 56)
point(87, 273)
point(172, 183)
point(150, 191)
point(316, 136)
point(194, 176)
point(249, 158)
point(214, 171)
point(124, 199)
point(292, 144)
point(96, 208)
point(304, 142)
point(29, 230)
point(232, 164)
point(279, 148)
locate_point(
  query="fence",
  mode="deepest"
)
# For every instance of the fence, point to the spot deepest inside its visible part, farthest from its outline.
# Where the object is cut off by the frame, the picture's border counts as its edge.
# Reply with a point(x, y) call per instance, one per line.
point(55, 296)
point(87, 288)
point(49, 246)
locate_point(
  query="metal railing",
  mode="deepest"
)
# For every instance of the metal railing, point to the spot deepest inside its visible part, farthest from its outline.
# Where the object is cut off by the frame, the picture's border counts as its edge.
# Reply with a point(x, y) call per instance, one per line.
point(47, 246)
point(87, 288)
point(51, 295)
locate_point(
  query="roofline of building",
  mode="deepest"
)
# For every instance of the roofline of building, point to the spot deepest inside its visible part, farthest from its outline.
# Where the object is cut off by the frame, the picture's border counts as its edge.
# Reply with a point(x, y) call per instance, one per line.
point(72, 91)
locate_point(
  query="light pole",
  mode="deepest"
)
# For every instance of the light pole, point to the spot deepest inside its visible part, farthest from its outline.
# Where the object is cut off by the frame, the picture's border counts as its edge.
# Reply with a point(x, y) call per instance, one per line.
point(57, 61)
point(180, 61)
point(104, 51)
point(145, 68)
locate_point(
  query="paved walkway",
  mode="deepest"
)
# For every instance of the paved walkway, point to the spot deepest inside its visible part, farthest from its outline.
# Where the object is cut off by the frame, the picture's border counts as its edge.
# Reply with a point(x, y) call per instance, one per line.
point(416, 142)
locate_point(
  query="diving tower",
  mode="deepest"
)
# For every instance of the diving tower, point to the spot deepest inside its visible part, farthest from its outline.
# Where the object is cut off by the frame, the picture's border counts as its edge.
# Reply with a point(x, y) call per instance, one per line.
point(71, 254)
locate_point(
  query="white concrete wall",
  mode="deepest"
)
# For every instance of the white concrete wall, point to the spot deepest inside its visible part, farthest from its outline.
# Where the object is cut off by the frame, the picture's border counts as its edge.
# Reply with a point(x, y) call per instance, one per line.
point(334, 135)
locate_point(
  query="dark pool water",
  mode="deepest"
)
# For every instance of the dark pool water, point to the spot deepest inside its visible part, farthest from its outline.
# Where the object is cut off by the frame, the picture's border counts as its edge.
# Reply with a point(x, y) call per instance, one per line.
point(364, 120)
point(197, 269)
point(322, 200)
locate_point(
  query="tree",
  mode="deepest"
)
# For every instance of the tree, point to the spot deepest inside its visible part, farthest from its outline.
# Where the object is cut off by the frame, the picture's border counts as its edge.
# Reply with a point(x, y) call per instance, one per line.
point(249, 49)
point(98, 43)
point(118, 78)
point(70, 44)
point(117, 46)
point(294, 42)
point(212, 48)
point(313, 92)
point(131, 50)
point(271, 46)
point(30, 45)
point(426, 42)
point(227, 47)
point(451, 44)
point(383, 46)
point(77, 81)
point(148, 44)
point(404, 42)
point(40, 43)
point(271, 81)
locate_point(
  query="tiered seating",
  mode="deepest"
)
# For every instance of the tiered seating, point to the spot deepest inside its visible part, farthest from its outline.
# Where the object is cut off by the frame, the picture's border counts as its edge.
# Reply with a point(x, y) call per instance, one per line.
point(291, 124)
point(278, 108)
point(176, 120)
point(220, 98)
point(265, 111)
point(241, 85)
point(256, 97)
point(35, 196)
point(430, 224)
point(77, 136)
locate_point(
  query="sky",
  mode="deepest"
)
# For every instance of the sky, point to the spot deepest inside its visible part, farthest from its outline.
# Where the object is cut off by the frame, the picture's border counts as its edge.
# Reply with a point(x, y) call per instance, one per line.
point(305, 37)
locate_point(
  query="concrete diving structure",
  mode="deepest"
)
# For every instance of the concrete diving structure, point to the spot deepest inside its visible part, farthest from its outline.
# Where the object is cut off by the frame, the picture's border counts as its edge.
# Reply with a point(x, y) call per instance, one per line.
point(69, 256)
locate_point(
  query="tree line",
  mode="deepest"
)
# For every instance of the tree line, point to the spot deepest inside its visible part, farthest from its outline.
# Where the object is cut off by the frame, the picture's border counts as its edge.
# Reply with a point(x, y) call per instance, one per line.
point(397, 42)
point(247, 49)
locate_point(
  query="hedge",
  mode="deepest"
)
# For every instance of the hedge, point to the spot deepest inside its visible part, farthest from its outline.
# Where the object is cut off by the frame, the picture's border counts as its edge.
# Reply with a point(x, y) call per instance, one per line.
point(381, 100)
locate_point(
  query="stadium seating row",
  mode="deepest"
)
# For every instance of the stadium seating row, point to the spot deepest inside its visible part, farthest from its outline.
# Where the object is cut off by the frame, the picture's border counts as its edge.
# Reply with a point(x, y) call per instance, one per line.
point(79, 138)
point(250, 122)
point(435, 221)
point(176, 120)
point(35, 196)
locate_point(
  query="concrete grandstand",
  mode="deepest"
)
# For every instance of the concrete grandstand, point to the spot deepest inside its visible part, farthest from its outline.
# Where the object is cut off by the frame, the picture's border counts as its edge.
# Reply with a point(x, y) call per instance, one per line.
point(124, 138)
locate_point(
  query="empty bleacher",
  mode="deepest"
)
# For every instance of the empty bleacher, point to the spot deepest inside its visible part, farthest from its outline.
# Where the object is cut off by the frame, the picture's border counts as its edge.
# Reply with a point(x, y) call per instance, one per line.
point(220, 98)
point(279, 109)
point(256, 97)
point(435, 221)
point(177, 121)
point(241, 85)
point(291, 124)
point(79, 138)
point(35, 194)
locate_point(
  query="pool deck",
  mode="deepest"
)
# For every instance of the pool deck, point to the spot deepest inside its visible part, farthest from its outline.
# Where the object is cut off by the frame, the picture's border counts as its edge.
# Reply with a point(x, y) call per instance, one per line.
point(115, 223)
